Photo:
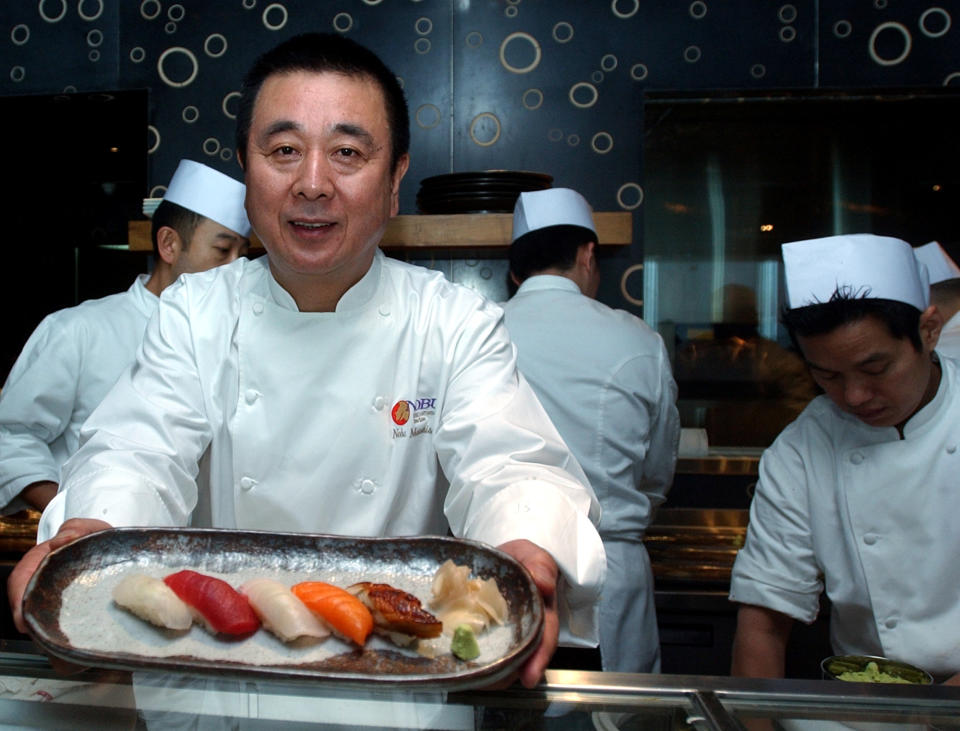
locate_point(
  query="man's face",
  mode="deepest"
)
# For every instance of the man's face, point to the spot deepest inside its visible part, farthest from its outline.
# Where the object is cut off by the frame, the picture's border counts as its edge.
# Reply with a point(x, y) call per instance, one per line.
point(210, 246)
point(880, 379)
point(319, 185)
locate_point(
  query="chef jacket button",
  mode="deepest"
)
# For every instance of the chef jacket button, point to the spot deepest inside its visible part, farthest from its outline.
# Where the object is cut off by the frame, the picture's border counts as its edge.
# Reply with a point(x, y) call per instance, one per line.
point(257, 308)
point(367, 487)
point(856, 458)
point(247, 483)
point(251, 395)
point(890, 623)
point(379, 402)
point(870, 539)
point(951, 449)
point(384, 310)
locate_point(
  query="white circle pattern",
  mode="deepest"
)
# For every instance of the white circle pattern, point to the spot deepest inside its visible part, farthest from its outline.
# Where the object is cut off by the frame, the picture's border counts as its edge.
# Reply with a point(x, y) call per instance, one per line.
point(93, 16)
point(583, 85)
point(215, 37)
point(163, 74)
point(283, 12)
point(52, 18)
point(536, 50)
point(947, 21)
point(24, 34)
point(907, 43)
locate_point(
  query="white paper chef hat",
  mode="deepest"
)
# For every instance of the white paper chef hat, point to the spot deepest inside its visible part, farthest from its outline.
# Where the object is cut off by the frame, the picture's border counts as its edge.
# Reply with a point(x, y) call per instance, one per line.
point(210, 193)
point(938, 262)
point(552, 207)
point(878, 267)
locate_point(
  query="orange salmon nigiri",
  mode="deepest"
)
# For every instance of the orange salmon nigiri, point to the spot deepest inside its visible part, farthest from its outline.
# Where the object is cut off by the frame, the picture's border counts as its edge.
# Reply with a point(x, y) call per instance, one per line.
point(340, 609)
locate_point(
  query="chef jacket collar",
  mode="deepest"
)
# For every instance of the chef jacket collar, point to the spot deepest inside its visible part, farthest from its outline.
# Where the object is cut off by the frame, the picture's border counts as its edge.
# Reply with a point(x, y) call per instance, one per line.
point(541, 282)
point(144, 300)
point(353, 299)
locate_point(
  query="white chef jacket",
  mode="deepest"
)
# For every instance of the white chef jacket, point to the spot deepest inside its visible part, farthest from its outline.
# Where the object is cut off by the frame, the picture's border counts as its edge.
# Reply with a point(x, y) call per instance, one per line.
point(336, 422)
point(605, 379)
point(949, 342)
point(870, 518)
point(65, 369)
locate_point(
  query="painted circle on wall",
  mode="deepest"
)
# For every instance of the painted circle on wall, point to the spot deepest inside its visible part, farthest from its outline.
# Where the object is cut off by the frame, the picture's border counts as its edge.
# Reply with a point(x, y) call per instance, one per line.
point(520, 35)
point(562, 32)
point(787, 13)
point(698, 9)
point(20, 34)
point(615, 7)
point(555, 135)
point(137, 54)
point(190, 114)
point(623, 284)
point(758, 71)
point(511, 11)
point(788, 33)
point(170, 28)
point(94, 55)
point(907, 43)
point(573, 140)
point(637, 192)
point(211, 146)
point(90, 16)
point(485, 129)
point(154, 6)
point(594, 95)
point(842, 28)
point(52, 18)
point(152, 148)
point(342, 22)
point(208, 48)
point(944, 18)
point(474, 39)
point(18, 74)
point(427, 116)
point(597, 77)
point(423, 26)
point(609, 62)
point(95, 38)
point(691, 54)
point(532, 99)
point(176, 12)
point(638, 72)
point(170, 52)
point(601, 143)
point(226, 100)
point(274, 8)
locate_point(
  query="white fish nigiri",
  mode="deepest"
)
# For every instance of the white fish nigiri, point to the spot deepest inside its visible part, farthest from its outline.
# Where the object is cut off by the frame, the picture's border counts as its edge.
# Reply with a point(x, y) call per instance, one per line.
point(281, 612)
point(150, 599)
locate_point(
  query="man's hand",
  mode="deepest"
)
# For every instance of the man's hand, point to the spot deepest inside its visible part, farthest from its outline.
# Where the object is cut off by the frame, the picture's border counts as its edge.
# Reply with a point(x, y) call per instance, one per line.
point(543, 569)
point(27, 566)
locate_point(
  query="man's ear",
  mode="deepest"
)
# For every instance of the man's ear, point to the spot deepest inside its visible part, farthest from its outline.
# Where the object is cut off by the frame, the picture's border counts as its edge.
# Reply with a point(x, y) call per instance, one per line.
point(169, 245)
point(931, 323)
point(586, 256)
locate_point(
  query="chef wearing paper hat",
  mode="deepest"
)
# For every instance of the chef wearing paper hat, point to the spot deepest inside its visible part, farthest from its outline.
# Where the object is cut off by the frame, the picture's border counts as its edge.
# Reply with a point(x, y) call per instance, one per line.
point(605, 379)
point(75, 355)
point(858, 496)
point(944, 293)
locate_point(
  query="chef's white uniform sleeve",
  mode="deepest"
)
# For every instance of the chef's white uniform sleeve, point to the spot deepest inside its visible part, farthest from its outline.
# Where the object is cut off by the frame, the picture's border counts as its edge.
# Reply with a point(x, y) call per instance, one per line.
point(35, 409)
point(660, 461)
point(512, 476)
point(140, 448)
point(776, 568)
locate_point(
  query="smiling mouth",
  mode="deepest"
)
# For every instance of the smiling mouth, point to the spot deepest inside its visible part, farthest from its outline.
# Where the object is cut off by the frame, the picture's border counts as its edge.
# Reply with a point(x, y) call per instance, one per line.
point(311, 226)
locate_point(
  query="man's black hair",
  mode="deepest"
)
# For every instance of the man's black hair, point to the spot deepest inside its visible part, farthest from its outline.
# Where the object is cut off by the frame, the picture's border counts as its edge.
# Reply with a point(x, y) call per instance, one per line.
point(321, 53)
point(553, 247)
point(180, 219)
point(845, 306)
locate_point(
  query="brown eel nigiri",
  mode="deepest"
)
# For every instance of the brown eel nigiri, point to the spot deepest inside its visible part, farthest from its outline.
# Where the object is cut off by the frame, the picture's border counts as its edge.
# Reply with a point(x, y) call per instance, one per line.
point(396, 613)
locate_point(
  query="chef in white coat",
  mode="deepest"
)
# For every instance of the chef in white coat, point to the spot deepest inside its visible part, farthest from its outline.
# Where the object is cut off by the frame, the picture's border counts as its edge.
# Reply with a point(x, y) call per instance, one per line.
point(944, 293)
point(605, 379)
point(324, 387)
point(858, 497)
point(76, 354)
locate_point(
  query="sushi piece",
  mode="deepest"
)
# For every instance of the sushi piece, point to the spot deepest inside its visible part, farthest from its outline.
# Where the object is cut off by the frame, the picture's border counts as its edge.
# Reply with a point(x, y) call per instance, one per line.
point(220, 607)
point(341, 610)
point(150, 599)
point(396, 613)
point(281, 612)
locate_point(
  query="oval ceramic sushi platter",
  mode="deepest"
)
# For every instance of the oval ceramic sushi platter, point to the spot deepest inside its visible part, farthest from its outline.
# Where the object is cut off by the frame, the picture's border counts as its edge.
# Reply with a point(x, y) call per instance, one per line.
point(71, 615)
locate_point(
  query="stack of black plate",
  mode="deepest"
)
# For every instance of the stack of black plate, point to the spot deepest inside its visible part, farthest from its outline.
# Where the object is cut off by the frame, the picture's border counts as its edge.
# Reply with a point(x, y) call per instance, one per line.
point(489, 191)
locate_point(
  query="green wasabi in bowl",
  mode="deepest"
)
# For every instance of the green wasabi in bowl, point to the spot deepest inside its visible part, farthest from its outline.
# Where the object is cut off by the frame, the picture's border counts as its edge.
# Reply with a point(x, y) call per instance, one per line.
point(871, 674)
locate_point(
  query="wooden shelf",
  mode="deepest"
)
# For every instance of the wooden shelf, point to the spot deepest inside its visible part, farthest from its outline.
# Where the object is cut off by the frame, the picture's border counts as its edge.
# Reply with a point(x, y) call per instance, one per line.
point(459, 231)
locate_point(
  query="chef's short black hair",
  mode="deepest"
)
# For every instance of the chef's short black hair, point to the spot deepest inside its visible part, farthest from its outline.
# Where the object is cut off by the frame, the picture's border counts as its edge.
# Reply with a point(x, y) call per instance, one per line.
point(322, 53)
point(845, 306)
point(180, 219)
point(553, 247)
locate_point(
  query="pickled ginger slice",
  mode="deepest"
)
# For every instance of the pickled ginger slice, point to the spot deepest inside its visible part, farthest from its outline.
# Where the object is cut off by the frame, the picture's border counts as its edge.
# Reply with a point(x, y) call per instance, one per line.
point(459, 599)
point(150, 599)
point(220, 607)
point(281, 612)
point(342, 611)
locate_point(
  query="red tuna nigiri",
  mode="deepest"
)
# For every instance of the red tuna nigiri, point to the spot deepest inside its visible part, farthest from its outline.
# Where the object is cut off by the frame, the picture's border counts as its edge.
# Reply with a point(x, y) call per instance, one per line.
point(222, 608)
point(340, 609)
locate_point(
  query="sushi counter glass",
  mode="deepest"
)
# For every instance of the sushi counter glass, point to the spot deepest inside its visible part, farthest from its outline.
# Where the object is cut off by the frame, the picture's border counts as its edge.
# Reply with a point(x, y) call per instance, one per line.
point(32, 695)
